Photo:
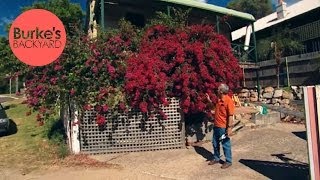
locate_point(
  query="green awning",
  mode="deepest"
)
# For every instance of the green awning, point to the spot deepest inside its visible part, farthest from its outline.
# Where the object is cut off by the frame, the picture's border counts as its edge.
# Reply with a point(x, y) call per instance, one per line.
point(212, 8)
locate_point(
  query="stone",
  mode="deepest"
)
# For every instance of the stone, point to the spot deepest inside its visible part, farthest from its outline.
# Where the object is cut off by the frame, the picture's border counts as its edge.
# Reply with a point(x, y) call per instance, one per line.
point(285, 101)
point(276, 104)
point(269, 89)
point(253, 99)
point(294, 88)
point(243, 95)
point(275, 100)
point(247, 116)
point(254, 94)
point(287, 118)
point(238, 116)
point(268, 101)
point(299, 96)
point(287, 106)
point(287, 95)
point(268, 95)
point(244, 91)
point(261, 91)
point(263, 100)
point(277, 93)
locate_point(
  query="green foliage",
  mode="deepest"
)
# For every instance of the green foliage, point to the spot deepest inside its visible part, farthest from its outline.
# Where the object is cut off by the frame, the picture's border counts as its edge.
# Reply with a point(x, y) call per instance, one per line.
point(258, 8)
point(178, 19)
point(69, 13)
point(9, 64)
point(286, 42)
point(264, 49)
point(55, 132)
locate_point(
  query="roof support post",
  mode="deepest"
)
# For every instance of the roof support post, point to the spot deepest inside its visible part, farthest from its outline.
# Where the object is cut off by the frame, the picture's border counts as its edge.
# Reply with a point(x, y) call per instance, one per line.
point(217, 24)
point(102, 13)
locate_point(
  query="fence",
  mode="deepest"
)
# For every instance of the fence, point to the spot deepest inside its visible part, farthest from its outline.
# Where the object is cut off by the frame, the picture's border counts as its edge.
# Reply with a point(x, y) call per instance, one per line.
point(130, 132)
point(295, 70)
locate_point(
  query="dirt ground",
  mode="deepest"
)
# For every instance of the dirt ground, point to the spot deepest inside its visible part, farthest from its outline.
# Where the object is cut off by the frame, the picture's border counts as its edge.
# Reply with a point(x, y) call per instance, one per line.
point(273, 152)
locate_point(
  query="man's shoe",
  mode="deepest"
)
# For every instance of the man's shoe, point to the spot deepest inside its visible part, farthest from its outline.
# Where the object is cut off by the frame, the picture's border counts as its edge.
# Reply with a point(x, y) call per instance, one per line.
point(213, 162)
point(225, 165)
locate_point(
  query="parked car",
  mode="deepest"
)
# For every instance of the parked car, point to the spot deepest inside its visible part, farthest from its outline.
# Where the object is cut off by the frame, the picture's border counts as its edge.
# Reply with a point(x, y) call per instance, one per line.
point(4, 120)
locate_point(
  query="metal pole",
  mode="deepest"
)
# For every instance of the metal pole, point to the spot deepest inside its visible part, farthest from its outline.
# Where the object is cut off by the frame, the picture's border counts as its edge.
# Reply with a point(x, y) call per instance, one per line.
point(256, 60)
point(277, 63)
point(168, 11)
point(10, 85)
point(244, 78)
point(278, 77)
point(288, 75)
point(218, 24)
point(17, 84)
point(102, 14)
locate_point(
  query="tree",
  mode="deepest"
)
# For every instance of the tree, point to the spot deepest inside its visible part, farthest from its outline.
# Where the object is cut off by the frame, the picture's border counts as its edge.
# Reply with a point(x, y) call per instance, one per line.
point(9, 64)
point(283, 42)
point(286, 40)
point(258, 8)
point(69, 13)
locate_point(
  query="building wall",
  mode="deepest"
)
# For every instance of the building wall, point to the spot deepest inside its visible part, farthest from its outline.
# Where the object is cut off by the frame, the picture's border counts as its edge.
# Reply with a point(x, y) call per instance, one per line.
point(146, 10)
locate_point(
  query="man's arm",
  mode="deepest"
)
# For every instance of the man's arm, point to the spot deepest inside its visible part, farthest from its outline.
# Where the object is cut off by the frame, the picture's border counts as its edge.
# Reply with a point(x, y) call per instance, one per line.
point(229, 125)
point(230, 121)
point(231, 111)
point(210, 103)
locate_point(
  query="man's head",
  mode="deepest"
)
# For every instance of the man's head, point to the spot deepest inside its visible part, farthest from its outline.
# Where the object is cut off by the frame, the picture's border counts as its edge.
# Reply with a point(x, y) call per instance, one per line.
point(223, 89)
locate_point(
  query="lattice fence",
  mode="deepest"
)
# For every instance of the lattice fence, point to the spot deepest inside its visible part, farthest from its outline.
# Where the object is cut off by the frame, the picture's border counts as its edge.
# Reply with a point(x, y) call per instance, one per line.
point(132, 131)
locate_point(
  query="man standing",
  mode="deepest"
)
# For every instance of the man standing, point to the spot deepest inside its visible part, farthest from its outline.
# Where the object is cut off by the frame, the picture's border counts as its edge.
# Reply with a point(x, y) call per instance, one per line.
point(223, 124)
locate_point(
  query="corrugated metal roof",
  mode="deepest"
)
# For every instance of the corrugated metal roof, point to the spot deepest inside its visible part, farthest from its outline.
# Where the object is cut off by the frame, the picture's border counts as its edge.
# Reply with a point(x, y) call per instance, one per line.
point(270, 20)
point(212, 8)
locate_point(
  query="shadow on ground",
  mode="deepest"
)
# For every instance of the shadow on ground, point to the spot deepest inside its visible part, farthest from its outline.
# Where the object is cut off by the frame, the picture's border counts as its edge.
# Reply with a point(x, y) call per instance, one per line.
point(301, 134)
point(277, 170)
point(204, 152)
point(12, 129)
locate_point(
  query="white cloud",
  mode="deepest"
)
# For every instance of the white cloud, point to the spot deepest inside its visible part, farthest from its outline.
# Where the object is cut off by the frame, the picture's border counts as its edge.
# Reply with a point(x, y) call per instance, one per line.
point(204, 1)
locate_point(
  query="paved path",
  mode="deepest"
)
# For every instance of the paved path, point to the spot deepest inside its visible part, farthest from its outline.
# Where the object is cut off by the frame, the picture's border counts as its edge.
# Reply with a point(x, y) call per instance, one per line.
point(273, 152)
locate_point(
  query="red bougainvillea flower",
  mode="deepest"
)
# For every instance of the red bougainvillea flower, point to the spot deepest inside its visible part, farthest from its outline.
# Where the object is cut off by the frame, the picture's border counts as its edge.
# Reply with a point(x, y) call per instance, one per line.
point(105, 108)
point(185, 63)
point(145, 71)
point(122, 106)
point(72, 92)
point(143, 107)
point(101, 120)
point(87, 107)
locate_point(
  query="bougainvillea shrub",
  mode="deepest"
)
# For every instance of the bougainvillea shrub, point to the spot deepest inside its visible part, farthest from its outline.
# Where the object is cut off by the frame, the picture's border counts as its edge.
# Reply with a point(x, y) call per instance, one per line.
point(122, 70)
point(90, 73)
point(184, 63)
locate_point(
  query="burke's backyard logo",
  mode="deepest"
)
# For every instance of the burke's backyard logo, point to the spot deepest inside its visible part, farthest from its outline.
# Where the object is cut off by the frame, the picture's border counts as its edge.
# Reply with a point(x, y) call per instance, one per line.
point(37, 37)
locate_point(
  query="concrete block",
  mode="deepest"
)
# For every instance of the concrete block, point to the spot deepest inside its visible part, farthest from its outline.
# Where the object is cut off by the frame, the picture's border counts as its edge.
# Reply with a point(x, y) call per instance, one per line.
point(271, 118)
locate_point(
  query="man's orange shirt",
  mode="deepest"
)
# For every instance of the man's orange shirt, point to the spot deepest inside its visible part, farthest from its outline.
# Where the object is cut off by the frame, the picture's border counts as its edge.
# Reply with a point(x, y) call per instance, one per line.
point(224, 109)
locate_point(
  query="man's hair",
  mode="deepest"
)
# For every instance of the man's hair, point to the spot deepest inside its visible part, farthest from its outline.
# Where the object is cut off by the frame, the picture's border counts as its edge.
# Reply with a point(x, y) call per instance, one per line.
point(224, 88)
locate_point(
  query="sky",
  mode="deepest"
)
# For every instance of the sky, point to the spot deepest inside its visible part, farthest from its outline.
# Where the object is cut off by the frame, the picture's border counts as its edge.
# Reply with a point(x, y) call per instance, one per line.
point(10, 9)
